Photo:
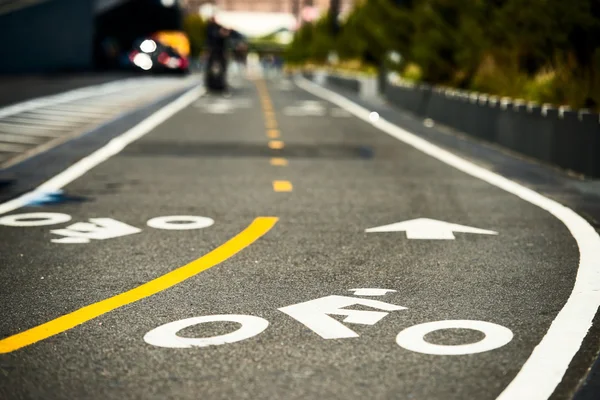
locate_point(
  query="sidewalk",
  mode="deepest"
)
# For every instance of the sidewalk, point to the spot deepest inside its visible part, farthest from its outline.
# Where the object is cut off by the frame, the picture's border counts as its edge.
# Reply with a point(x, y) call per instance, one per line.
point(18, 88)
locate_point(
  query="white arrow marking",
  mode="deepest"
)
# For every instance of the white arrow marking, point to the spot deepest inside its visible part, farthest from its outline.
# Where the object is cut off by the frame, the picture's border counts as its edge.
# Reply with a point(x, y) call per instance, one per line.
point(305, 108)
point(96, 229)
point(370, 291)
point(425, 228)
point(315, 314)
point(340, 113)
point(222, 106)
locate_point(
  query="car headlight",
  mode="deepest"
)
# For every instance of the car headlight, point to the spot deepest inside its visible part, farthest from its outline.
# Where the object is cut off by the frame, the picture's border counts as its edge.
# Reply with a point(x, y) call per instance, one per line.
point(148, 46)
point(143, 61)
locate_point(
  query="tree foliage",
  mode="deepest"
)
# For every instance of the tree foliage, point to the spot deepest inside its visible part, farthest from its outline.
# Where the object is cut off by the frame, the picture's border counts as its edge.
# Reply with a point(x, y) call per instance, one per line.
point(195, 28)
point(546, 50)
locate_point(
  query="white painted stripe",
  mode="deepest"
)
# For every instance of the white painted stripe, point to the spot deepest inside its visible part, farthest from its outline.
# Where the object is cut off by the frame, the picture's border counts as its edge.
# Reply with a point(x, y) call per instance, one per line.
point(113, 147)
point(87, 109)
point(8, 138)
point(12, 148)
point(116, 104)
point(17, 128)
point(548, 362)
point(77, 94)
point(41, 122)
point(79, 109)
point(108, 103)
point(46, 117)
point(38, 133)
point(64, 110)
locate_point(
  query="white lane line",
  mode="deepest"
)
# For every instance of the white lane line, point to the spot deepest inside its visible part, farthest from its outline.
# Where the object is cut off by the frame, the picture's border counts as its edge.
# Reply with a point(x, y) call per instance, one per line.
point(41, 122)
point(12, 148)
point(80, 108)
point(59, 119)
point(17, 128)
point(73, 95)
point(118, 105)
point(60, 110)
point(38, 133)
point(85, 109)
point(547, 364)
point(9, 138)
point(113, 147)
point(108, 104)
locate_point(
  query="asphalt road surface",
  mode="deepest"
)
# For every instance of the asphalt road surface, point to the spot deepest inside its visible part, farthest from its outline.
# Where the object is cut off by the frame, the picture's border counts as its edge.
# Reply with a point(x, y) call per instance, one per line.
point(286, 243)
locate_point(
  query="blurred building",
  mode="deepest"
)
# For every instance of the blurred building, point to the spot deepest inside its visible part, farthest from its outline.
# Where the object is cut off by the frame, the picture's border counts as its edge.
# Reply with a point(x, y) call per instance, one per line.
point(75, 35)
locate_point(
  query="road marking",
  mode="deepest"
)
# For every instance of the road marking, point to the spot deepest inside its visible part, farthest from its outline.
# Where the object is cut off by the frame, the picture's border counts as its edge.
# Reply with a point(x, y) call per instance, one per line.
point(371, 291)
point(96, 229)
point(77, 94)
point(413, 338)
point(273, 133)
point(279, 162)
point(24, 139)
point(222, 106)
point(276, 144)
point(259, 227)
point(305, 108)
point(549, 361)
point(33, 115)
point(429, 229)
point(34, 219)
point(43, 122)
point(36, 132)
point(84, 108)
point(282, 186)
point(88, 115)
point(180, 222)
point(166, 335)
point(314, 314)
point(339, 113)
point(113, 147)
point(18, 128)
point(12, 148)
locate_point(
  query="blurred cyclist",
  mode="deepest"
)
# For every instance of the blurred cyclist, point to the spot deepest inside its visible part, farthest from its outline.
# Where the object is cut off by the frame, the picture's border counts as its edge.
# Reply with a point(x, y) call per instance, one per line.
point(216, 67)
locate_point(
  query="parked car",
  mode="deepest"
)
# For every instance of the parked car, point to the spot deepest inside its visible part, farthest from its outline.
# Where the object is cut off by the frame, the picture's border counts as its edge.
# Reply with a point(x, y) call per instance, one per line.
point(150, 54)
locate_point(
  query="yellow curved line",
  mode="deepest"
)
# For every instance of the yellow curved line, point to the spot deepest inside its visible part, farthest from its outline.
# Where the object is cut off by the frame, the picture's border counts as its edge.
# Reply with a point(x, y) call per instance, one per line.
point(253, 232)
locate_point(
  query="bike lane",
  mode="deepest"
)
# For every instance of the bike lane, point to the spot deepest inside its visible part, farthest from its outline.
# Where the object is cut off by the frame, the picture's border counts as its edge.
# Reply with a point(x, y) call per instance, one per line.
point(216, 159)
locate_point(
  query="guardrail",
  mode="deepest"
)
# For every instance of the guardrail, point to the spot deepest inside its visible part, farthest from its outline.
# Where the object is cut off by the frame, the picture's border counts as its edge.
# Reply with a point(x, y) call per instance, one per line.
point(558, 136)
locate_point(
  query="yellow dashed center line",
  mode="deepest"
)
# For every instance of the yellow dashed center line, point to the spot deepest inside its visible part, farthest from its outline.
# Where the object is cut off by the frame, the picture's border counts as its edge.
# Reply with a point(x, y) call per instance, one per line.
point(282, 186)
point(273, 133)
point(276, 144)
point(279, 162)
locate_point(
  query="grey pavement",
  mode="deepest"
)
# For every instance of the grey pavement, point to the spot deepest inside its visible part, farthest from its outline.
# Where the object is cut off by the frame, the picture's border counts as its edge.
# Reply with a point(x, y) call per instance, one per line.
point(212, 159)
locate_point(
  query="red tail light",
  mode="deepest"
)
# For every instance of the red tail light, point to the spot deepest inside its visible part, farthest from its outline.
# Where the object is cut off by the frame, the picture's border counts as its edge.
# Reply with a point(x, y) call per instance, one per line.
point(133, 54)
point(163, 58)
point(184, 63)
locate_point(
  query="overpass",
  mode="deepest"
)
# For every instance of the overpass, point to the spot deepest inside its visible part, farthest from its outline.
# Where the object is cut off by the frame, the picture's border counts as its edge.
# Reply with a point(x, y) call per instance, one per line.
point(67, 35)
